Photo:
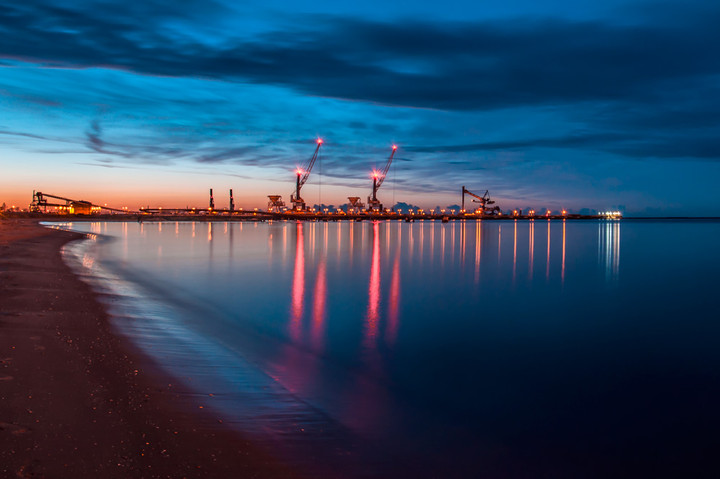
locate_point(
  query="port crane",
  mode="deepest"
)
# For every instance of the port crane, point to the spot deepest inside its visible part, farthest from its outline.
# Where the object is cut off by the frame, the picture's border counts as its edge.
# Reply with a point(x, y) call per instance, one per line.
point(40, 200)
point(302, 176)
point(484, 201)
point(378, 178)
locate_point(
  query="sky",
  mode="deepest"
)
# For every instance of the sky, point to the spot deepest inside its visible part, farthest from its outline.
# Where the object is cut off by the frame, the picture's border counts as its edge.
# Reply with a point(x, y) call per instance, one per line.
point(554, 104)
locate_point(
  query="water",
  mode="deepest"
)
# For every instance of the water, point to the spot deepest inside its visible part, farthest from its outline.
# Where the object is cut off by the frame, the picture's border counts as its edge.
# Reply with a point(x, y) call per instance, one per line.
point(466, 349)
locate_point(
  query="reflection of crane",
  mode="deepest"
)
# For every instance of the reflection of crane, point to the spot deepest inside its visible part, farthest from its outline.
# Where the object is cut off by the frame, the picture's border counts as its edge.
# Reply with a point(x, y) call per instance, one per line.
point(378, 178)
point(484, 201)
point(302, 176)
point(70, 206)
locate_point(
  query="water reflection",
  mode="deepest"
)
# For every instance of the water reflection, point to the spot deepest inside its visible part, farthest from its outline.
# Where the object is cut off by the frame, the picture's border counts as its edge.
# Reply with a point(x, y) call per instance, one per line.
point(373, 287)
point(346, 339)
point(478, 250)
point(298, 284)
point(562, 274)
point(531, 247)
point(547, 263)
point(609, 248)
point(499, 241)
point(394, 306)
point(230, 241)
point(462, 242)
point(514, 273)
point(442, 245)
point(319, 305)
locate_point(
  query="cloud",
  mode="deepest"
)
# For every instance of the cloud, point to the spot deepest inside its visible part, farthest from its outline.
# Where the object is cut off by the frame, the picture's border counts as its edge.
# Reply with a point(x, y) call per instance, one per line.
point(449, 66)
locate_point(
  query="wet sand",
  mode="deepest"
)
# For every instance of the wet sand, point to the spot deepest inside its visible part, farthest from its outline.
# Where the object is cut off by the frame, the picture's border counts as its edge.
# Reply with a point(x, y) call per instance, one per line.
point(77, 400)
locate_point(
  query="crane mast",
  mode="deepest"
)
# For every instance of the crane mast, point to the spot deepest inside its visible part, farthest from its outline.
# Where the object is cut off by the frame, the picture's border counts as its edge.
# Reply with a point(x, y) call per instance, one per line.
point(302, 176)
point(378, 178)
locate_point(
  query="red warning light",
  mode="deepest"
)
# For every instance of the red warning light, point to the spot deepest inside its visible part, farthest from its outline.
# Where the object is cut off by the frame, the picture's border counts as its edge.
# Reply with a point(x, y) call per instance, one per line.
point(319, 141)
point(299, 171)
point(394, 147)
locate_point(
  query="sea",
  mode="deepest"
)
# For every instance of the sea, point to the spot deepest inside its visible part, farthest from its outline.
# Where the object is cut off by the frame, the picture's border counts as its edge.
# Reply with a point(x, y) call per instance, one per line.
point(490, 348)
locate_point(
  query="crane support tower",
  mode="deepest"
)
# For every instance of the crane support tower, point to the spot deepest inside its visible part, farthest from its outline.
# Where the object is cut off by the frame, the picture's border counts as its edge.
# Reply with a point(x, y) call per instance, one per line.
point(378, 178)
point(356, 206)
point(275, 204)
point(212, 200)
point(232, 202)
point(484, 201)
point(303, 174)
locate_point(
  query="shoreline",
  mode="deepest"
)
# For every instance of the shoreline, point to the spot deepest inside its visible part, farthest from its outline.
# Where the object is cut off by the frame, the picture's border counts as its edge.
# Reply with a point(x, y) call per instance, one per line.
point(78, 399)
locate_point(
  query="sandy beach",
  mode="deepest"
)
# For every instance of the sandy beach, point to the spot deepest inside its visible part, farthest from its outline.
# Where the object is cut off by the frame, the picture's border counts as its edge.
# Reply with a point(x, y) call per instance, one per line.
point(77, 400)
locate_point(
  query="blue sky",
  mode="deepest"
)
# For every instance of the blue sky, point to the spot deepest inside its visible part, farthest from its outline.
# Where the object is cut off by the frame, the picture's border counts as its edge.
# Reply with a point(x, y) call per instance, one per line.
point(547, 104)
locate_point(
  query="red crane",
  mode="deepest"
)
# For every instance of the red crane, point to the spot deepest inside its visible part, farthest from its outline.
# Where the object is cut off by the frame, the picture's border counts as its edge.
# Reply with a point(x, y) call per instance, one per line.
point(302, 176)
point(378, 178)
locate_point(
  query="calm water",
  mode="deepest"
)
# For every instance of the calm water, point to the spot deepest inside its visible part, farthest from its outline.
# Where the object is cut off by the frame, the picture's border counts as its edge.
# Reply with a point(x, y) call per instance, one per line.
point(467, 349)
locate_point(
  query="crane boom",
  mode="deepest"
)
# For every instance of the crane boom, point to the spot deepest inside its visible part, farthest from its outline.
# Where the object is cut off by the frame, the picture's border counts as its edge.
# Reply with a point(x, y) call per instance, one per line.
point(482, 198)
point(385, 170)
point(378, 178)
point(302, 176)
point(484, 201)
point(308, 168)
point(40, 195)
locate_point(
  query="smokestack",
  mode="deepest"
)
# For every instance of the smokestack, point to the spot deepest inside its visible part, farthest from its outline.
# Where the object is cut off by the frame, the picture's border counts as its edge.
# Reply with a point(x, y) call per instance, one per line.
point(212, 201)
point(232, 202)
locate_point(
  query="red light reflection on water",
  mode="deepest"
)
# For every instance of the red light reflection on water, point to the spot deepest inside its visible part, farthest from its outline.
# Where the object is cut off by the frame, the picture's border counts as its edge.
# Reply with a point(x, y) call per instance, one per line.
point(298, 286)
point(319, 306)
point(392, 326)
point(562, 274)
point(478, 250)
point(374, 287)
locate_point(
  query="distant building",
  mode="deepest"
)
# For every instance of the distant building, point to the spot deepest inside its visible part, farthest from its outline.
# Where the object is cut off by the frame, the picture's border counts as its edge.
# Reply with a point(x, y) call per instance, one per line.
point(81, 208)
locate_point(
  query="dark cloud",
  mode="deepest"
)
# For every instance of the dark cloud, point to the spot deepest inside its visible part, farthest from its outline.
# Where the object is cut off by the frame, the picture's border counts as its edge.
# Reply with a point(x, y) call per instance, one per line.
point(449, 66)
point(570, 141)
point(93, 135)
point(643, 88)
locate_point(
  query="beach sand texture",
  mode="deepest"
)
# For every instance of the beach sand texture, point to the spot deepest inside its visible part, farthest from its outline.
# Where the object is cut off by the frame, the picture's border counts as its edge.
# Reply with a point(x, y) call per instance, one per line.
point(77, 400)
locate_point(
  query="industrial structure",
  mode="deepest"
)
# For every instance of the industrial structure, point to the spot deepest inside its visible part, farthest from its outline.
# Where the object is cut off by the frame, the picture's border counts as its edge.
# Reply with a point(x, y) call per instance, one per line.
point(356, 206)
point(356, 210)
point(484, 201)
point(378, 178)
point(298, 204)
point(69, 206)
